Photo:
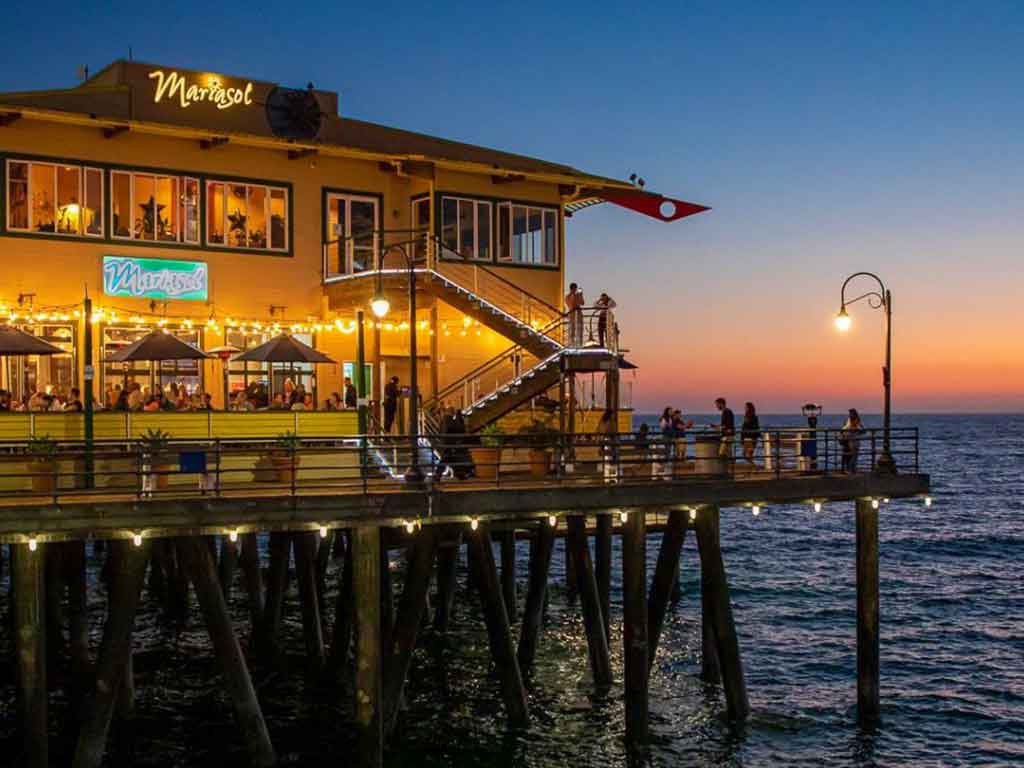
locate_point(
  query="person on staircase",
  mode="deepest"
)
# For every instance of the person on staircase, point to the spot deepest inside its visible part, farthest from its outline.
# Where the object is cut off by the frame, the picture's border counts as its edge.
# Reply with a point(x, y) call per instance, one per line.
point(574, 302)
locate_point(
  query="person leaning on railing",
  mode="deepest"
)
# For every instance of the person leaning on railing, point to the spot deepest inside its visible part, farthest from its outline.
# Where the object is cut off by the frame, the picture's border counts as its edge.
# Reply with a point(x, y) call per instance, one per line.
point(604, 306)
point(727, 428)
point(574, 303)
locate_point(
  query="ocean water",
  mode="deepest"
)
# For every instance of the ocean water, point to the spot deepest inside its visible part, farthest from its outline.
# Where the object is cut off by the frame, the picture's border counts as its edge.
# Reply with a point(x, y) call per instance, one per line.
point(952, 645)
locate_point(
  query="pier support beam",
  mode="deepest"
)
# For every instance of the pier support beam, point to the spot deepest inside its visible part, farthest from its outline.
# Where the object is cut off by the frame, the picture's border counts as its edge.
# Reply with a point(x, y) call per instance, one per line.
point(250, 564)
point(411, 607)
point(593, 620)
point(344, 615)
point(114, 662)
point(868, 700)
point(248, 715)
point(485, 576)
point(603, 569)
point(508, 572)
point(541, 547)
point(28, 574)
point(666, 576)
point(306, 574)
point(447, 581)
point(634, 625)
point(277, 582)
point(366, 562)
point(228, 561)
point(78, 626)
point(716, 587)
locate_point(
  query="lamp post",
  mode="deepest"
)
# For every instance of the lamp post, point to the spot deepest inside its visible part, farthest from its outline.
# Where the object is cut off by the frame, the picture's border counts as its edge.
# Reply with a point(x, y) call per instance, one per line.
point(380, 306)
point(880, 299)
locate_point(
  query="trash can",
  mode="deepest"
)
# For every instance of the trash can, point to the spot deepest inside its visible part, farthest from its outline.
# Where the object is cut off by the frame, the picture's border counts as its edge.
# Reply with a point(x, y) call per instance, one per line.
point(707, 460)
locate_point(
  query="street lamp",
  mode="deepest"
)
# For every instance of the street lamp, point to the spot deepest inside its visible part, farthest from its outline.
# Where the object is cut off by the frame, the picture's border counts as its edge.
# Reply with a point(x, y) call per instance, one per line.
point(880, 299)
point(380, 306)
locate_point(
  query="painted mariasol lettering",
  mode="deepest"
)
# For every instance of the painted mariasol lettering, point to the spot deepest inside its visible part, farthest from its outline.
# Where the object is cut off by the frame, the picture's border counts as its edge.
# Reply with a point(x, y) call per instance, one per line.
point(173, 85)
point(129, 277)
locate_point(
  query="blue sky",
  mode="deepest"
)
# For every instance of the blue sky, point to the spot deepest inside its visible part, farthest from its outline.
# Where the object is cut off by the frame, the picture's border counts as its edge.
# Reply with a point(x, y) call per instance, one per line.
point(827, 137)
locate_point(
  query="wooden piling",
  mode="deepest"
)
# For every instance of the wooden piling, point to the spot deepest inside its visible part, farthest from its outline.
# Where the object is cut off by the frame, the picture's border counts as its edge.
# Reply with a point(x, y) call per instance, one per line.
point(28, 582)
point(868, 677)
point(305, 572)
point(507, 540)
point(666, 573)
point(54, 580)
point(387, 602)
point(710, 669)
point(366, 561)
point(590, 601)
point(603, 568)
point(447, 580)
point(571, 581)
point(716, 586)
point(411, 608)
point(226, 567)
point(248, 715)
point(541, 547)
point(344, 615)
point(249, 561)
point(277, 581)
point(325, 546)
point(634, 626)
point(485, 576)
point(128, 570)
point(78, 626)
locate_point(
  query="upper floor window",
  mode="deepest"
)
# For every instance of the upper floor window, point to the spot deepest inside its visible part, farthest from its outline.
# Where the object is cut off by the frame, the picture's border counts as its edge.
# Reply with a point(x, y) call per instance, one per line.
point(246, 216)
point(54, 198)
point(527, 234)
point(466, 227)
point(152, 207)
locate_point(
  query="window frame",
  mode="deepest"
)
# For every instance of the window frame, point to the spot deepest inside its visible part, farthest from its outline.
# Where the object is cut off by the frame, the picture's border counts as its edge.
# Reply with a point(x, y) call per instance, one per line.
point(476, 203)
point(269, 188)
point(181, 181)
point(84, 169)
point(506, 246)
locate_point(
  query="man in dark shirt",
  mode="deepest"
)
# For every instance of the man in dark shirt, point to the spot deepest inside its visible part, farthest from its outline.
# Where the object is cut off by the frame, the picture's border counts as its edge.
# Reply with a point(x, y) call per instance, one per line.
point(74, 403)
point(391, 392)
point(351, 398)
point(727, 428)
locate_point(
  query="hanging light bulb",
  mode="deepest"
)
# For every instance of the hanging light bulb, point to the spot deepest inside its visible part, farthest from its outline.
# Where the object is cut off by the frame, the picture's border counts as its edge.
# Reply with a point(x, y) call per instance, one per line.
point(623, 516)
point(693, 514)
point(233, 536)
point(410, 526)
point(137, 539)
point(552, 521)
point(323, 531)
point(874, 503)
point(32, 544)
point(474, 524)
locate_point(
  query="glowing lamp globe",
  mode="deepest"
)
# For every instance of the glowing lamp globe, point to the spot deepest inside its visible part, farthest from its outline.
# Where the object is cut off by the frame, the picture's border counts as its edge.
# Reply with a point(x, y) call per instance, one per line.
point(380, 305)
point(843, 320)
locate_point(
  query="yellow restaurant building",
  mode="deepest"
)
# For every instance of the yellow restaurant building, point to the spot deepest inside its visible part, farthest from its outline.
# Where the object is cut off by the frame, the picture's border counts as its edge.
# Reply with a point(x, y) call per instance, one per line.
point(226, 210)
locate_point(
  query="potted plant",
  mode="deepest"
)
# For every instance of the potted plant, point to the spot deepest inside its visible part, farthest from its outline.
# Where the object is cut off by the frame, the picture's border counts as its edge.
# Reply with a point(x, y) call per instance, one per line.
point(43, 463)
point(157, 461)
point(487, 455)
point(284, 457)
point(541, 439)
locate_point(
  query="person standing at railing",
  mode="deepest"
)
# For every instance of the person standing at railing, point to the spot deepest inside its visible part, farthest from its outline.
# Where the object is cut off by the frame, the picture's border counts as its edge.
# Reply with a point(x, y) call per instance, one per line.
point(391, 393)
point(750, 432)
point(849, 440)
point(667, 428)
point(727, 428)
point(574, 303)
point(605, 318)
point(351, 396)
point(809, 446)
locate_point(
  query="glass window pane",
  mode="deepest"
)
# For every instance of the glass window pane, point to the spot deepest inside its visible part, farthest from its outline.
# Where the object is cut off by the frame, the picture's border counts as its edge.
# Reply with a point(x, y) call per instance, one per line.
point(190, 211)
point(215, 214)
point(256, 223)
point(536, 224)
point(69, 200)
point(466, 221)
point(167, 209)
point(17, 195)
point(92, 214)
point(363, 228)
point(146, 208)
point(237, 216)
point(121, 203)
point(44, 196)
point(550, 239)
point(483, 231)
point(449, 222)
point(520, 249)
point(504, 222)
point(278, 219)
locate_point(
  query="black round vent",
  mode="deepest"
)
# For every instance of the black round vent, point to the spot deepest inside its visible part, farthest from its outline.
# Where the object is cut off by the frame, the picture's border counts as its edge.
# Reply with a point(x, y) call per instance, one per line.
point(294, 114)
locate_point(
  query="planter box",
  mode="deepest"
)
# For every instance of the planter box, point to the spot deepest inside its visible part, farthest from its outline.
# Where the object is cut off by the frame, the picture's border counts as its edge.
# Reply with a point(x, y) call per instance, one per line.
point(487, 461)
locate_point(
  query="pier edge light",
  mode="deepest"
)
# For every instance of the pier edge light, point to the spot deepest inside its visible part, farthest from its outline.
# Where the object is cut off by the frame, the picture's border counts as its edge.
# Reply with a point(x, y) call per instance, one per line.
point(474, 524)
point(552, 521)
point(756, 509)
point(885, 501)
point(233, 535)
point(624, 516)
point(927, 501)
point(843, 319)
point(32, 544)
point(137, 539)
point(817, 506)
point(410, 526)
point(693, 513)
point(323, 531)
point(874, 503)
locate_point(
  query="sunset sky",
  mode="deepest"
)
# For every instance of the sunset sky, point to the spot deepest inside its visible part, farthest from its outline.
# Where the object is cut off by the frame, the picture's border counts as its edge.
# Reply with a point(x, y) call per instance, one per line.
point(827, 138)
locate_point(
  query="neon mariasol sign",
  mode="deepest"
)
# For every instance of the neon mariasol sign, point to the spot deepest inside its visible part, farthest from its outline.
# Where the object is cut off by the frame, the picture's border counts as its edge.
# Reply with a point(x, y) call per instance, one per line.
point(171, 85)
point(154, 278)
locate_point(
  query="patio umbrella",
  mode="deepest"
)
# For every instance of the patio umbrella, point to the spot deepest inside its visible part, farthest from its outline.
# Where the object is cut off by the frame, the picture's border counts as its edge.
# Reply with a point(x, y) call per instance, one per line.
point(284, 348)
point(157, 345)
point(14, 342)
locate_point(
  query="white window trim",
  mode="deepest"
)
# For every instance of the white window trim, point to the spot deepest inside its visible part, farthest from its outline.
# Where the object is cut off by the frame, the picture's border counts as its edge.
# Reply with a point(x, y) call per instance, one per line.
point(268, 189)
point(84, 169)
point(181, 181)
point(345, 201)
point(544, 210)
point(476, 230)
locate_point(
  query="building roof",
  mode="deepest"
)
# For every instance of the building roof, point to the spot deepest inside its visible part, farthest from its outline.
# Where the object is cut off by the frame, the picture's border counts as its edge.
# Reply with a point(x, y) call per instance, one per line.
point(125, 94)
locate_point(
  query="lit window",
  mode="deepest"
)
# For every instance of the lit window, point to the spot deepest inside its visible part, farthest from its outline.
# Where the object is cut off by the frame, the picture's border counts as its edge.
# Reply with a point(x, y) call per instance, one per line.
point(154, 208)
point(527, 234)
point(466, 228)
point(246, 216)
point(53, 198)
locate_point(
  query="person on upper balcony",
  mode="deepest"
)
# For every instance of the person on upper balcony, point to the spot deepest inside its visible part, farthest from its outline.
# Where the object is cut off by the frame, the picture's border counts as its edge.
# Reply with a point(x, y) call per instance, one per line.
point(391, 393)
point(604, 305)
point(574, 302)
